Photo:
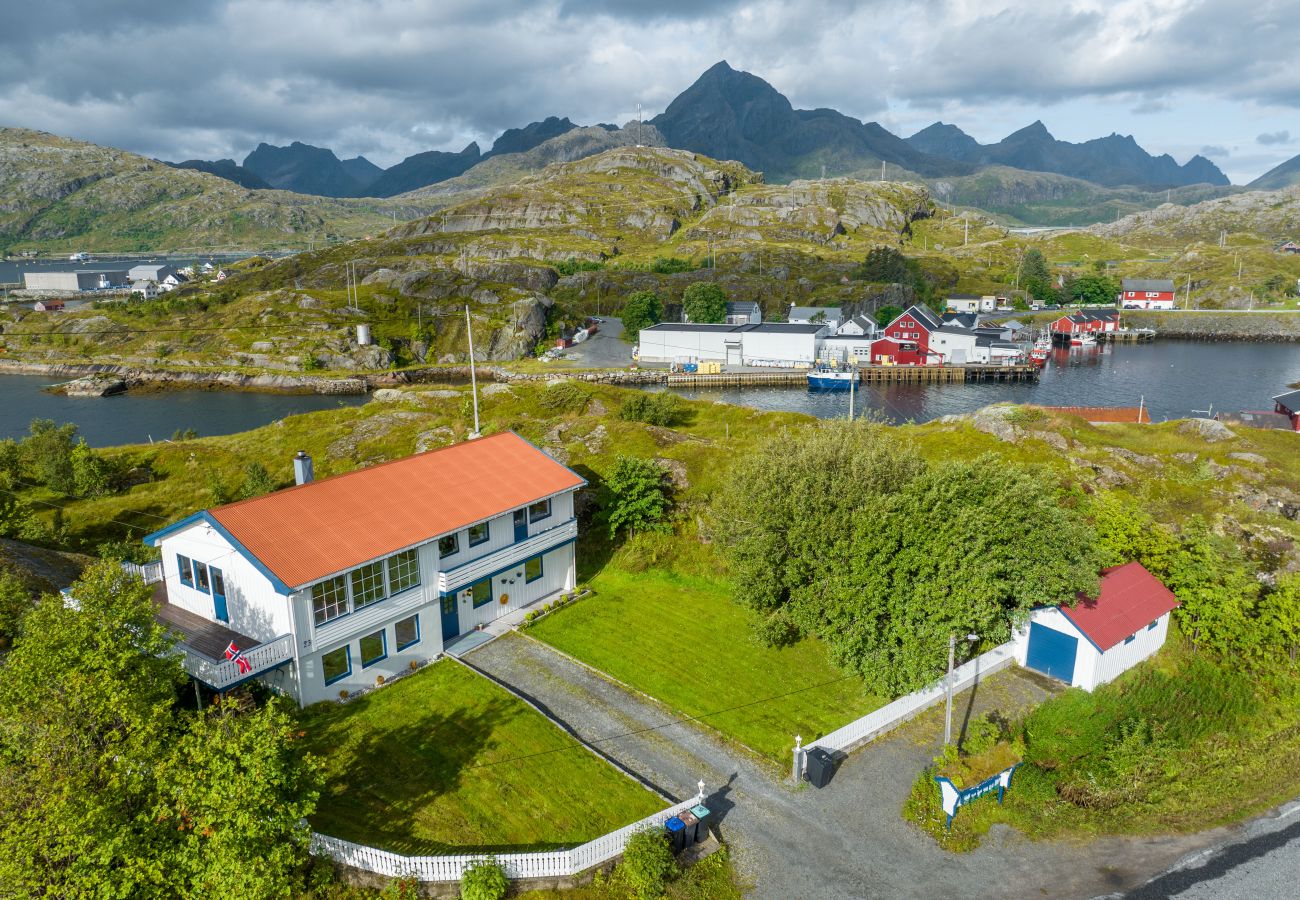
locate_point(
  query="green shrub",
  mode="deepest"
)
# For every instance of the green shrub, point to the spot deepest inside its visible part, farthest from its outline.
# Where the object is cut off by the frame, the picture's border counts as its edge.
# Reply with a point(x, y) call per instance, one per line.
point(648, 864)
point(572, 265)
point(484, 880)
point(661, 408)
point(668, 265)
point(565, 396)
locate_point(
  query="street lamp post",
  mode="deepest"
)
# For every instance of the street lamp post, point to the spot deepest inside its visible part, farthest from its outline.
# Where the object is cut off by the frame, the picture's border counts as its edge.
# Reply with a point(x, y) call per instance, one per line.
point(952, 654)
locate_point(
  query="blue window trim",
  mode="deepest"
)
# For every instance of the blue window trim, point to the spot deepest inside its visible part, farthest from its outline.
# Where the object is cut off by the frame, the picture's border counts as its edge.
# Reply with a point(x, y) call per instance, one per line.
point(541, 569)
point(1130, 639)
point(186, 573)
point(347, 653)
point(454, 537)
point(197, 586)
point(410, 643)
point(514, 565)
point(1152, 626)
point(487, 534)
point(383, 639)
point(549, 509)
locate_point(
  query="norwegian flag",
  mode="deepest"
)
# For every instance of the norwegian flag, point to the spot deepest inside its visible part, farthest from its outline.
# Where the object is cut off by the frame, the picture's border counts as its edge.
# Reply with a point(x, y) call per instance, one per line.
point(236, 656)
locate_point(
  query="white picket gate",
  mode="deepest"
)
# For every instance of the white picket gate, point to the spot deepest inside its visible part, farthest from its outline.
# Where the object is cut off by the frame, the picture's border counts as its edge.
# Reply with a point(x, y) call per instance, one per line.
point(517, 865)
point(891, 715)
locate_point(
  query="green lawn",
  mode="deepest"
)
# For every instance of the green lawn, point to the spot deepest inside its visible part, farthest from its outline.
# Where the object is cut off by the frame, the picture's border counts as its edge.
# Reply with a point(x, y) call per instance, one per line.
point(445, 761)
point(682, 640)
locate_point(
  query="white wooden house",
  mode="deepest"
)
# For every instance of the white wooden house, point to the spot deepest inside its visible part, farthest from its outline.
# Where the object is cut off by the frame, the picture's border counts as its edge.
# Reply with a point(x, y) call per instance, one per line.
point(1095, 641)
point(332, 585)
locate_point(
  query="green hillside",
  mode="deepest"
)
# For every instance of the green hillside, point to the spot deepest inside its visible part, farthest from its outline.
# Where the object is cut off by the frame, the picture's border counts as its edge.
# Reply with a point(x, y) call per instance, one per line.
point(62, 195)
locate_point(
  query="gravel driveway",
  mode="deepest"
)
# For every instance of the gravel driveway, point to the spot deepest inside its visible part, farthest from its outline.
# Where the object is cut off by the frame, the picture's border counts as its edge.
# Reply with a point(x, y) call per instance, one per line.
point(846, 840)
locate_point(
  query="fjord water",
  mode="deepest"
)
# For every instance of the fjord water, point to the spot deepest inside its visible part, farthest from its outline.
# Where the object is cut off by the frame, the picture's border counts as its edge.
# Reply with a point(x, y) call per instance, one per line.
point(1173, 378)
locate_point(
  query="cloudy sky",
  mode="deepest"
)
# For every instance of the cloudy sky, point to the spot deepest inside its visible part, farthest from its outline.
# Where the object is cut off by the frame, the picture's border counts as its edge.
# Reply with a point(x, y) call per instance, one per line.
point(387, 78)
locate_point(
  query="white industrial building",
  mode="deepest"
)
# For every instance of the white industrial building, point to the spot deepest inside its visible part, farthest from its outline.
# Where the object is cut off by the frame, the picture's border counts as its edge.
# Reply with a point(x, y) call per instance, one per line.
point(778, 344)
point(80, 280)
point(1095, 641)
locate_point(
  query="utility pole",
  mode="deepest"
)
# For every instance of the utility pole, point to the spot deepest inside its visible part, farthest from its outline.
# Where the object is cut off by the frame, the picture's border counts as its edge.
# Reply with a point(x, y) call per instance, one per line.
point(823, 173)
point(1187, 295)
point(966, 240)
point(952, 653)
point(853, 377)
point(473, 379)
point(638, 124)
point(882, 170)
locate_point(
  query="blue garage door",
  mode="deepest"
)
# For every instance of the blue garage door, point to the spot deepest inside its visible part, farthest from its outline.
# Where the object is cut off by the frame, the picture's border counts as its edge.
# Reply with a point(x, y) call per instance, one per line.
point(1051, 652)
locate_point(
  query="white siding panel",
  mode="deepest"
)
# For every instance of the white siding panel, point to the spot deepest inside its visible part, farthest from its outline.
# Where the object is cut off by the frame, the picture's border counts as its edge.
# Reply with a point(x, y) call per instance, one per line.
point(780, 347)
point(669, 344)
point(1122, 657)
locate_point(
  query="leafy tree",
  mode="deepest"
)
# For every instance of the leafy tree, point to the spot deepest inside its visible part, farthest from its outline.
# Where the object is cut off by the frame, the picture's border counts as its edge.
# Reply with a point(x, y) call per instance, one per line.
point(662, 408)
point(257, 481)
point(234, 794)
point(704, 302)
point(17, 520)
point(1035, 277)
point(885, 265)
point(1217, 590)
point(484, 880)
point(1279, 612)
point(643, 309)
point(1127, 533)
point(648, 864)
point(843, 532)
point(219, 491)
point(1093, 289)
point(886, 314)
point(15, 600)
point(47, 454)
point(91, 474)
point(637, 495)
point(85, 710)
point(670, 265)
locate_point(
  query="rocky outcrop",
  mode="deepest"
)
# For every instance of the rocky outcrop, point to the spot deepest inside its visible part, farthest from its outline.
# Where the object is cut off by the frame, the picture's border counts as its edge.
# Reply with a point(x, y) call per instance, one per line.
point(137, 378)
point(1219, 325)
point(1208, 430)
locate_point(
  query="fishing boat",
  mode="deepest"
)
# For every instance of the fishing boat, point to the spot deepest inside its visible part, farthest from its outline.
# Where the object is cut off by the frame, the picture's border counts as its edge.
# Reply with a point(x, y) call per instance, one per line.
point(1041, 350)
point(1082, 340)
point(825, 378)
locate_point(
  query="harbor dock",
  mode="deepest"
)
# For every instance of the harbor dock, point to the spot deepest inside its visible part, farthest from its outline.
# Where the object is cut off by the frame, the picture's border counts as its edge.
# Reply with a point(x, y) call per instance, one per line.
point(867, 375)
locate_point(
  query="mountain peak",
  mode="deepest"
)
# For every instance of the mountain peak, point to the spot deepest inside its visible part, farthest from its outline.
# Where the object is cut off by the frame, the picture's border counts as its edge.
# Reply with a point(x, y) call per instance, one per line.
point(1035, 130)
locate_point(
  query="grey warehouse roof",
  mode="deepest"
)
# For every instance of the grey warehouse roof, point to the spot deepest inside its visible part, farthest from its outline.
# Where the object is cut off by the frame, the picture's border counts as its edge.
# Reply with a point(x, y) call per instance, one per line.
point(1147, 284)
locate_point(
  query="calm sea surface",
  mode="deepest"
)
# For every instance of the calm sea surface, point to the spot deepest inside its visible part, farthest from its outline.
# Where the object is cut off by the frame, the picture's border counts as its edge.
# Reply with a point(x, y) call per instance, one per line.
point(1173, 378)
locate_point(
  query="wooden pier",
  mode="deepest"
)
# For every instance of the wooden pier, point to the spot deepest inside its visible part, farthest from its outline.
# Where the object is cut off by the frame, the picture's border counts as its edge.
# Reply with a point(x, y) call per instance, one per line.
point(1127, 336)
point(868, 375)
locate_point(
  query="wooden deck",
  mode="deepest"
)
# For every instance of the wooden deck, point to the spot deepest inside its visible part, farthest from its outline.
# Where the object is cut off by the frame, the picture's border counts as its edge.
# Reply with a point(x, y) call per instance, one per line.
point(199, 634)
point(867, 375)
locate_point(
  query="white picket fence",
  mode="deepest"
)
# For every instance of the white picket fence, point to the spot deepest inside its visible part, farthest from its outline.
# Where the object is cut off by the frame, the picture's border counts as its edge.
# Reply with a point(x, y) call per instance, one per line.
point(891, 715)
point(149, 573)
point(517, 865)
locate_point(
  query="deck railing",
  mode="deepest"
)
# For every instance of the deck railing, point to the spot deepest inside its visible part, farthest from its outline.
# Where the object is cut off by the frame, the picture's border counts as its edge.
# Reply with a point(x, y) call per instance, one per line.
point(149, 573)
point(556, 863)
point(220, 675)
point(468, 573)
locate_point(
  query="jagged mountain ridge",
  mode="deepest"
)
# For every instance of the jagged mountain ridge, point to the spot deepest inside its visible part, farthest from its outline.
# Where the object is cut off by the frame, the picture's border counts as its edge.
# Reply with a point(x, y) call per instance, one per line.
point(1112, 161)
point(227, 169)
point(1284, 176)
point(305, 169)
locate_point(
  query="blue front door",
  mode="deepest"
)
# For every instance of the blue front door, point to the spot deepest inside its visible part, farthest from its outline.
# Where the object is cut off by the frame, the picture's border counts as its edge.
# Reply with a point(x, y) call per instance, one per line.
point(1051, 652)
point(521, 524)
point(219, 595)
point(450, 618)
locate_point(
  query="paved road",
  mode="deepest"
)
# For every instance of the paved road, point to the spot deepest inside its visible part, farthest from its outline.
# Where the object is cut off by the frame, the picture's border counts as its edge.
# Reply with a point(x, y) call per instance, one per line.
point(846, 841)
point(606, 349)
point(1262, 862)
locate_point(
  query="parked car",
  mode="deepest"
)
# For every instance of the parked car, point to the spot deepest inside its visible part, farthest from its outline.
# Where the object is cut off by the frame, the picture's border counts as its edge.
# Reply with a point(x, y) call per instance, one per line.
point(1132, 306)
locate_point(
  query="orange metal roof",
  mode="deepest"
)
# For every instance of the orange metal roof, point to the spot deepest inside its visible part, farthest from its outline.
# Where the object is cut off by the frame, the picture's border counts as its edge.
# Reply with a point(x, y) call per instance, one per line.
point(305, 533)
point(1134, 414)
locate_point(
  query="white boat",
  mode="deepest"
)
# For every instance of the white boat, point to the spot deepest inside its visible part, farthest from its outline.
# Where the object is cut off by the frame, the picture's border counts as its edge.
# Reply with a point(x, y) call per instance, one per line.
point(1082, 340)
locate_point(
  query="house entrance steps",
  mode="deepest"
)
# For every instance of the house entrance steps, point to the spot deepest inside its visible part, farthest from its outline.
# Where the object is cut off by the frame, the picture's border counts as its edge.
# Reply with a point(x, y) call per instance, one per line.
point(472, 640)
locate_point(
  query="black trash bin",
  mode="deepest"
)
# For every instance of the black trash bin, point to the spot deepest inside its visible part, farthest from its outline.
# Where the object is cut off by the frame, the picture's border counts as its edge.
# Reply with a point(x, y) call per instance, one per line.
point(690, 822)
point(701, 813)
point(819, 767)
point(676, 833)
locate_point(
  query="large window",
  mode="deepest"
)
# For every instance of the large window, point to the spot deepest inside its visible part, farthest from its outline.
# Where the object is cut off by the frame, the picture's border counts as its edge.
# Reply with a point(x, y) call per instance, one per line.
point(448, 545)
point(403, 571)
point(482, 592)
point(539, 510)
point(407, 632)
point(329, 599)
point(532, 569)
point(183, 566)
point(478, 533)
point(367, 585)
point(374, 647)
point(336, 664)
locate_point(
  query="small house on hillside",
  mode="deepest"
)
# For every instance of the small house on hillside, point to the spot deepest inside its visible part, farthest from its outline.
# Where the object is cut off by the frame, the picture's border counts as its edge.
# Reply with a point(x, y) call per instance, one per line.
point(1289, 247)
point(340, 584)
point(1147, 293)
point(147, 290)
point(970, 303)
point(860, 325)
point(815, 315)
point(48, 305)
point(1096, 640)
point(744, 312)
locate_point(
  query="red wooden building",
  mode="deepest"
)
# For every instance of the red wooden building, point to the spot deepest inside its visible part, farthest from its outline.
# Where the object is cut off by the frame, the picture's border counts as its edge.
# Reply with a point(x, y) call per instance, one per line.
point(1288, 404)
point(1146, 293)
point(907, 338)
point(1087, 322)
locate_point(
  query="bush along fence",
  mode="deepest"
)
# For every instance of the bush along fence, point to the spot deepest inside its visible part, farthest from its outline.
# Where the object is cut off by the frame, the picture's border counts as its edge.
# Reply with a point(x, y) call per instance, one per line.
point(891, 715)
point(556, 863)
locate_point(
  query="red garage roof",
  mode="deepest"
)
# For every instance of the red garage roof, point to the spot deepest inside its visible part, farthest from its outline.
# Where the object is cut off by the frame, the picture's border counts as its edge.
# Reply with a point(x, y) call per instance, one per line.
point(304, 533)
point(1130, 599)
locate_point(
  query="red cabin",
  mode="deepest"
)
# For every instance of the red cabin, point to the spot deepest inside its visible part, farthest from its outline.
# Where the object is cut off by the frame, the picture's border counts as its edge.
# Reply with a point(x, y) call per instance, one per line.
point(1087, 322)
point(908, 338)
point(1147, 293)
point(1289, 405)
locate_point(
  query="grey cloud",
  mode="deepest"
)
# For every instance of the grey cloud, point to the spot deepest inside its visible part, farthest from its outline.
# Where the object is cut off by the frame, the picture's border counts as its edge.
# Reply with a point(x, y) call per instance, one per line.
point(1274, 137)
point(1214, 150)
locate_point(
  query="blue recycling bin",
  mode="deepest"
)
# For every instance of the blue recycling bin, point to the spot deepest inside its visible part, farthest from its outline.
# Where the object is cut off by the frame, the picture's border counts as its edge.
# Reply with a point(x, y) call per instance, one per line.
point(676, 833)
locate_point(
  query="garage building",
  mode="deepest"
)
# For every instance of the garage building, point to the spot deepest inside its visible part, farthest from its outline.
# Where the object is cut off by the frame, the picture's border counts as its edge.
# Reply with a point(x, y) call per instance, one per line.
point(1095, 641)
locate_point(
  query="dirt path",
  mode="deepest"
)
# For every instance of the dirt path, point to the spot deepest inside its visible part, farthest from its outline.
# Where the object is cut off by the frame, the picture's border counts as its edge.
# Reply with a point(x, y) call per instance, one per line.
point(846, 840)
